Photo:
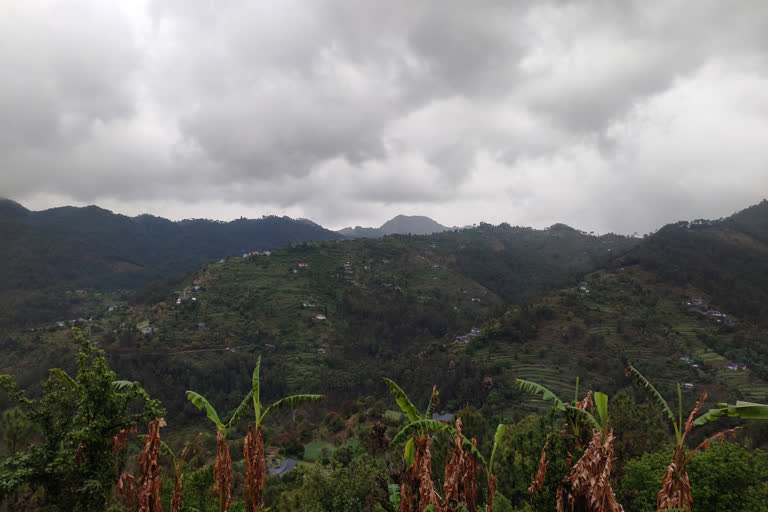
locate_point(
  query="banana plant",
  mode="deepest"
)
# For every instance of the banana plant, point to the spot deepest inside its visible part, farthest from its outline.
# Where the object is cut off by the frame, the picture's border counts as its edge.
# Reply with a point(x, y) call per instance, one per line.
point(498, 436)
point(675, 490)
point(222, 470)
point(743, 410)
point(577, 415)
point(586, 480)
point(253, 447)
point(418, 423)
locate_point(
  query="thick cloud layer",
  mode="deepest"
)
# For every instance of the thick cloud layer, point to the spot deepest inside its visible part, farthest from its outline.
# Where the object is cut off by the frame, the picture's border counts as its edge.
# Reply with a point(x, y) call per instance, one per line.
point(609, 116)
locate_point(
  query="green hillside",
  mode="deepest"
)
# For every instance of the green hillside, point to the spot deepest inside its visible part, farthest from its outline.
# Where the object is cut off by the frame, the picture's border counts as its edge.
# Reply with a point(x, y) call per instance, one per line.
point(726, 259)
point(624, 315)
point(49, 252)
point(391, 306)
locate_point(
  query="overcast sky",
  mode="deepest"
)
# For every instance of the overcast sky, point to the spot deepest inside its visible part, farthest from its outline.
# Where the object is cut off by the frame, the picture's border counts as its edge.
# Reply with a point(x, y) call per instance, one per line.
point(609, 116)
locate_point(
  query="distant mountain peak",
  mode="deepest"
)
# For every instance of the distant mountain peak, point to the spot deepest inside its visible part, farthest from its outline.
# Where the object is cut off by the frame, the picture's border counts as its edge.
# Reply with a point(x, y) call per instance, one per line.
point(398, 225)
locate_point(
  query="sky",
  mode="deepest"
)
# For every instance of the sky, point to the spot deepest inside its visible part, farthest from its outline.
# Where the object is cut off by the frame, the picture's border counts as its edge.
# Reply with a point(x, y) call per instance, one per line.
point(608, 116)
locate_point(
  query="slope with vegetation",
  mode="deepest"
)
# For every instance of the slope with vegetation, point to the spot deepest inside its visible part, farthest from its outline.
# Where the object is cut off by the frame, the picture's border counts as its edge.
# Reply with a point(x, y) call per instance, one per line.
point(48, 253)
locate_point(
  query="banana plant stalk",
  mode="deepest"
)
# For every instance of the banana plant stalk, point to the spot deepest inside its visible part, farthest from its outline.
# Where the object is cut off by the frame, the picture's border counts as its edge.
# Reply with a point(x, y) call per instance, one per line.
point(253, 447)
point(222, 470)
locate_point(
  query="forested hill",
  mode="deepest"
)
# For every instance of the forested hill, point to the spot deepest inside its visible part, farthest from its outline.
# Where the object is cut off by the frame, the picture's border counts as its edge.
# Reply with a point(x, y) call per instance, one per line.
point(383, 301)
point(726, 259)
point(48, 251)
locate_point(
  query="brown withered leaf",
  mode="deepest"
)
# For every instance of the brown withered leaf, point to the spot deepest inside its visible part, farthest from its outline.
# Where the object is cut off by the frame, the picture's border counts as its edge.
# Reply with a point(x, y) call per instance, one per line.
point(253, 452)
point(222, 471)
point(588, 483)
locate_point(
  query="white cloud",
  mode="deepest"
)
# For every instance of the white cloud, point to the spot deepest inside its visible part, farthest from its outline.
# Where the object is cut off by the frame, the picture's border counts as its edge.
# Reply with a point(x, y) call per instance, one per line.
point(606, 116)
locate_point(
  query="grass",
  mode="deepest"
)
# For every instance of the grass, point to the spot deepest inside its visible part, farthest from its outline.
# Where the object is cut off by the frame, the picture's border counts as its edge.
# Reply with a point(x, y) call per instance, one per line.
point(315, 450)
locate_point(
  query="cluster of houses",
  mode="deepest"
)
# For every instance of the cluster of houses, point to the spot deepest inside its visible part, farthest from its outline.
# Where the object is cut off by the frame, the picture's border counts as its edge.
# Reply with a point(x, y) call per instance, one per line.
point(188, 295)
point(74, 321)
point(256, 253)
point(696, 305)
point(689, 360)
point(732, 366)
point(466, 338)
point(583, 287)
point(347, 271)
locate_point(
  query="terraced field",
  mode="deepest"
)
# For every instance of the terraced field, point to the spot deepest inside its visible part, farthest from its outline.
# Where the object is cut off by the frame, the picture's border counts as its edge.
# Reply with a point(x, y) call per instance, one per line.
point(622, 318)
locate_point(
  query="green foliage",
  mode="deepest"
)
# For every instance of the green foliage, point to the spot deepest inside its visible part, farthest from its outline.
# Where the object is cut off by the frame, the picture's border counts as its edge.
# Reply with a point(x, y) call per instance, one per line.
point(650, 391)
point(16, 431)
point(350, 488)
point(725, 477)
point(403, 401)
point(201, 403)
point(744, 410)
point(75, 464)
point(538, 389)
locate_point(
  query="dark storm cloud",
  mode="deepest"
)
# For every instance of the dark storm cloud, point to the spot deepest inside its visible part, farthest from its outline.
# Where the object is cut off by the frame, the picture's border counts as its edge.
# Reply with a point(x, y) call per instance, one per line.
point(529, 112)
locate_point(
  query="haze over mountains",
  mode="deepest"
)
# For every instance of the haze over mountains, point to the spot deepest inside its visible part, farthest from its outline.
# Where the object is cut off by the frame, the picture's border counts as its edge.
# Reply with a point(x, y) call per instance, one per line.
point(399, 225)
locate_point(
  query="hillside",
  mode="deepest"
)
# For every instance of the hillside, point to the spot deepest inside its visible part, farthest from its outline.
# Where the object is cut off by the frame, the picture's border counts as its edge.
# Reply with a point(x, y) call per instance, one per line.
point(727, 259)
point(626, 314)
point(335, 316)
point(399, 225)
point(48, 252)
point(385, 301)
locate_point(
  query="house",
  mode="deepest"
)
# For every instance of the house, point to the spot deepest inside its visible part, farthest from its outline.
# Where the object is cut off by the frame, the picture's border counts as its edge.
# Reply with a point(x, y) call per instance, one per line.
point(687, 385)
point(321, 350)
point(148, 330)
point(303, 265)
point(285, 467)
point(111, 308)
point(307, 304)
point(269, 345)
point(742, 366)
point(201, 325)
point(320, 317)
point(686, 359)
point(474, 332)
point(733, 367)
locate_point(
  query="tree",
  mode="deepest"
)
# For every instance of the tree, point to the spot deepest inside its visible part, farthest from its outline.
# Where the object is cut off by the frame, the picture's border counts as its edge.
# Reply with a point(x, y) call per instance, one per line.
point(76, 465)
point(16, 430)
